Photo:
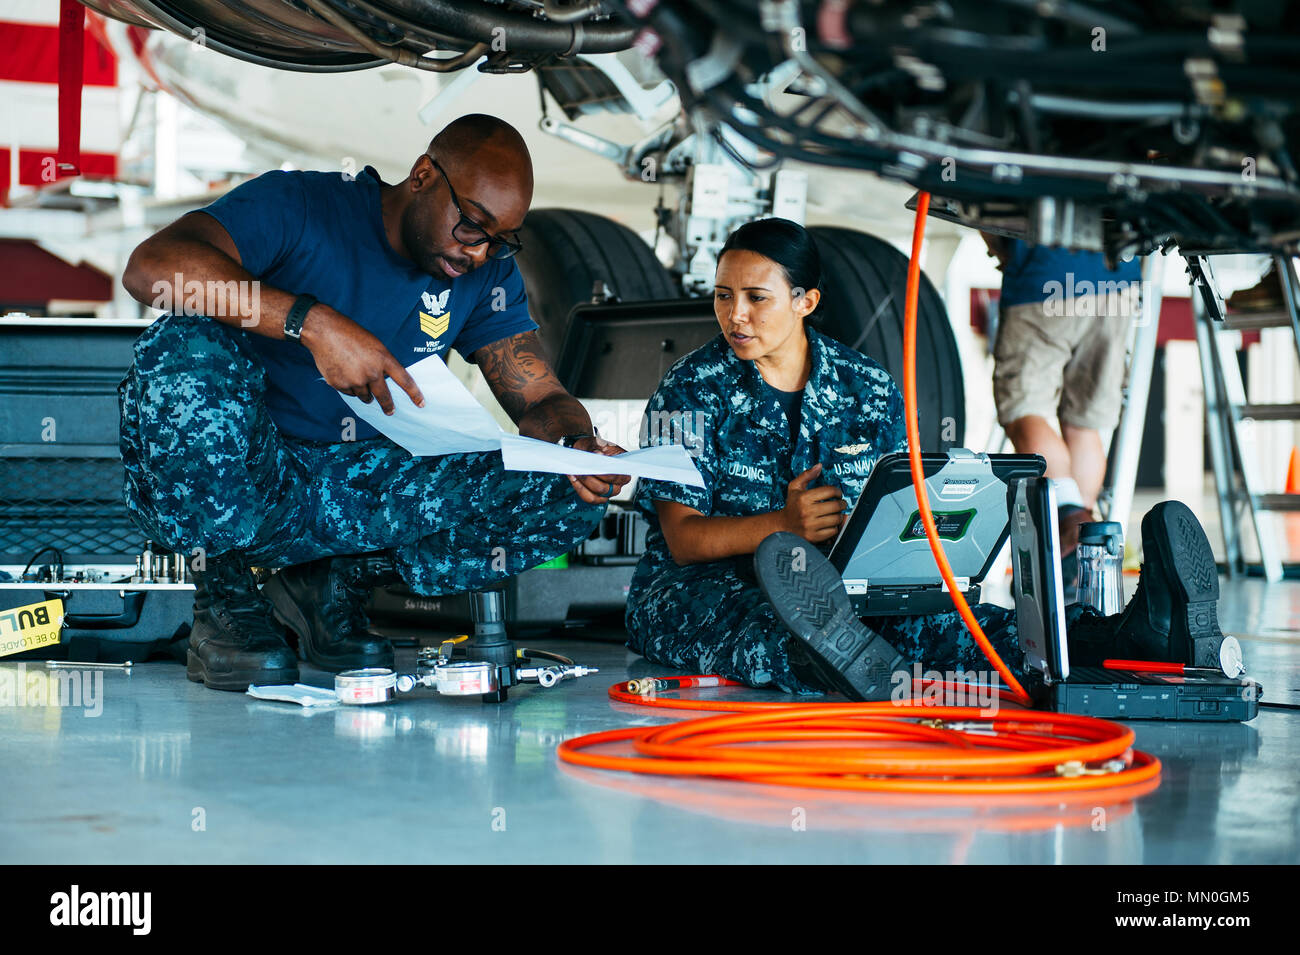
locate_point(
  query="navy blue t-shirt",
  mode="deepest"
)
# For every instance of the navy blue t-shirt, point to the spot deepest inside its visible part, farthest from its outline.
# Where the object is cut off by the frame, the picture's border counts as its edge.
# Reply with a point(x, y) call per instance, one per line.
point(1031, 269)
point(322, 234)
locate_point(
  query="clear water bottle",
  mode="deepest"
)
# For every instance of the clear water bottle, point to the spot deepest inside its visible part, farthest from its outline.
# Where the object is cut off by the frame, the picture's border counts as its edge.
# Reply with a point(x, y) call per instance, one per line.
point(1101, 566)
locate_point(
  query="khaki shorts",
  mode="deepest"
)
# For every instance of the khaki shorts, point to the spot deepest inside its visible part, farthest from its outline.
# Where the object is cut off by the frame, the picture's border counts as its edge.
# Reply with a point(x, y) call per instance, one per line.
point(1066, 366)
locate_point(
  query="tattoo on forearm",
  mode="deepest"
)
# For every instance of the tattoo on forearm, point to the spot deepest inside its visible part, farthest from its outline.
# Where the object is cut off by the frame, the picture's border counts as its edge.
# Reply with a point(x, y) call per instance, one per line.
point(514, 367)
point(520, 376)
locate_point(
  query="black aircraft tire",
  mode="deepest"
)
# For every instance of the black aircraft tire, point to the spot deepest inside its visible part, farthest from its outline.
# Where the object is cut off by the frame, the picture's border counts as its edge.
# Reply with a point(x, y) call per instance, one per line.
point(565, 251)
point(864, 280)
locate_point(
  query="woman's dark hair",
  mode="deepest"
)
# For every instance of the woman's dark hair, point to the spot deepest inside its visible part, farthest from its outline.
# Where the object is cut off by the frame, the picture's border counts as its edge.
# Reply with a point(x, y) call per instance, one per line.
point(786, 243)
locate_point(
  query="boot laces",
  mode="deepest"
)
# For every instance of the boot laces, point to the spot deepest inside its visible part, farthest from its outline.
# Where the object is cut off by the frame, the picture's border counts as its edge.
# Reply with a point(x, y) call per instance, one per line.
point(237, 599)
point(353, 585)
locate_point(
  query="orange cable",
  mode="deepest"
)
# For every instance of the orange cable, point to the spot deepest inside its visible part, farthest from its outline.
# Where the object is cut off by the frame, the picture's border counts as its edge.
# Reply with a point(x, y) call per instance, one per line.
point(914, 455)
point(971, 751)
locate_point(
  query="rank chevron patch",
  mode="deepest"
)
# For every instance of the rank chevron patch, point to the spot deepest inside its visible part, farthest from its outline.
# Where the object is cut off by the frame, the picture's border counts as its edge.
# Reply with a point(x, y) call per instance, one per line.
point(434, 326)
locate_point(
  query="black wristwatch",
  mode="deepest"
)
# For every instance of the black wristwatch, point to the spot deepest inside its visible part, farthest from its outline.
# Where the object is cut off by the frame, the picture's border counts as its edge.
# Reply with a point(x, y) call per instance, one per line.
point(569, 440)
point(297, 315)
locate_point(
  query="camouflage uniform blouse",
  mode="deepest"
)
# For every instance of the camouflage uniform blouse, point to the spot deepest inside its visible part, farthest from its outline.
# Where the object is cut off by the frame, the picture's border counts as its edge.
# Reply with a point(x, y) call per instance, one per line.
point(719, 407)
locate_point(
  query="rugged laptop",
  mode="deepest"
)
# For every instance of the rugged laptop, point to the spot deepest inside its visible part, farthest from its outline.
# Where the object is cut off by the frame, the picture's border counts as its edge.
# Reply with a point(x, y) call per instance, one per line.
point(882, 553)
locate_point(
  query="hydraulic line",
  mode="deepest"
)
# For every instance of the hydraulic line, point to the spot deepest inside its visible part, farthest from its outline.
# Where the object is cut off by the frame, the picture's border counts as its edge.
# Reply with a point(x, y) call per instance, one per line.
point(914, 455)
point(524, 33)
point(902, 746)
point(397, 54)
point(877, 747)
point(528, 653)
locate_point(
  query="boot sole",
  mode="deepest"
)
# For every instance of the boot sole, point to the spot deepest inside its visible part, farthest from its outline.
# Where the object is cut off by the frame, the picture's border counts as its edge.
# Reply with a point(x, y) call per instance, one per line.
point(285, 610)
point(235, 680)
point(810, 600)
point(1185, 550)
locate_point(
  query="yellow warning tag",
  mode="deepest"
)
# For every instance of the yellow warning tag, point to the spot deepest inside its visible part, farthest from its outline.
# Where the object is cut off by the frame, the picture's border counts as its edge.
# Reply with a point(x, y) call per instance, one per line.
point(30, 627)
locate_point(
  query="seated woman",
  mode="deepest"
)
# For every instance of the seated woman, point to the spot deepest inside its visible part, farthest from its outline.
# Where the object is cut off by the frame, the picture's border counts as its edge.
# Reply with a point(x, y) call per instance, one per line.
point(785, 424)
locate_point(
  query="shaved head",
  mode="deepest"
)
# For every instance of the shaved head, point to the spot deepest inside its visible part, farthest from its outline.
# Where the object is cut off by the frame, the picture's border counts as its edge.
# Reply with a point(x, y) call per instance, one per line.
point(463, 138)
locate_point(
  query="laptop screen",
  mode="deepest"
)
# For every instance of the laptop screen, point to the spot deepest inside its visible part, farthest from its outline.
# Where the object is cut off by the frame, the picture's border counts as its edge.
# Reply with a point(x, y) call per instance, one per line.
point(884, 542)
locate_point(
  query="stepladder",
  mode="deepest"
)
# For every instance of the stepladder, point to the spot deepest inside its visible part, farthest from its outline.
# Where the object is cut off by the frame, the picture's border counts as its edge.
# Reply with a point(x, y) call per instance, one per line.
point(1235, 432)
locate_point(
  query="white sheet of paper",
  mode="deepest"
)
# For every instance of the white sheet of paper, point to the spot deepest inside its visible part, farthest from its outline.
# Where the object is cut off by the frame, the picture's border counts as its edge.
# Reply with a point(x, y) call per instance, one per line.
point(453, 422)
point(669, 462)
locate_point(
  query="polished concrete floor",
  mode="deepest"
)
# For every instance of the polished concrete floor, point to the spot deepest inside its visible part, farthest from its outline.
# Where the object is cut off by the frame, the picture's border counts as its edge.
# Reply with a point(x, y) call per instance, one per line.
point(159, 769)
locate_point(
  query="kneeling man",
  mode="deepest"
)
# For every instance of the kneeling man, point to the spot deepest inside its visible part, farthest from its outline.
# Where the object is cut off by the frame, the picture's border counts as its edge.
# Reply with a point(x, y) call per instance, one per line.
point(236, 440)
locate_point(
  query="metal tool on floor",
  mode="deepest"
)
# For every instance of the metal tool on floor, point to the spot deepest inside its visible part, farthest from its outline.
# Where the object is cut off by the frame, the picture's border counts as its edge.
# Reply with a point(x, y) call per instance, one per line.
point(485, 664)
point(362, 687)
point(492, 663)
point(434, 668)
point(76, 664)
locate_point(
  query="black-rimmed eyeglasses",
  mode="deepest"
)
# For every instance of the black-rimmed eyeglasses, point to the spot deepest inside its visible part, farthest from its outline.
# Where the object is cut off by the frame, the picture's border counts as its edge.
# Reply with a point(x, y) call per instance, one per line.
point(469, 233)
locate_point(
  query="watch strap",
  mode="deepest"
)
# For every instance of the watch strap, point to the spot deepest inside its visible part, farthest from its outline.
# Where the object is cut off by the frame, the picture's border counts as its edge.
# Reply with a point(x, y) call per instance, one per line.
point(297, 315)
point(569, 440)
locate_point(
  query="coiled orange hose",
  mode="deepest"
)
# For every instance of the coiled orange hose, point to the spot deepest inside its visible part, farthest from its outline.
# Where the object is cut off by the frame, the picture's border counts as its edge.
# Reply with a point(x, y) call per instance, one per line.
point(976, 752)
point(900, 747)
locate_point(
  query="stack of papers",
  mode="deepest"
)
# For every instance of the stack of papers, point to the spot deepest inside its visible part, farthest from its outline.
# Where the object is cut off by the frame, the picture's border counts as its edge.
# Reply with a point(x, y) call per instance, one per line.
point(453, 422)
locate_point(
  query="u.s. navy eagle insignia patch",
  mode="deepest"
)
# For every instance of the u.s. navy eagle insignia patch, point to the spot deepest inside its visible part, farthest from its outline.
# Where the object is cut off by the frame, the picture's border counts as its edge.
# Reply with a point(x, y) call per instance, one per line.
point(435, 320)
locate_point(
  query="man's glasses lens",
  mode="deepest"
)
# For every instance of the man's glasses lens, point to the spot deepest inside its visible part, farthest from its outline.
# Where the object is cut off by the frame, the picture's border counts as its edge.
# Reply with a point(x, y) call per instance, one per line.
point(499, 247)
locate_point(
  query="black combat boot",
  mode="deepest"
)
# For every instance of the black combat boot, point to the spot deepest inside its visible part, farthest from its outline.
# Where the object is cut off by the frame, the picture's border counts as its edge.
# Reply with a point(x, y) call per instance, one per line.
point(1174, 612)
point(1173, 616)
point(808, 595)
point(235, 640)
point(322, 601)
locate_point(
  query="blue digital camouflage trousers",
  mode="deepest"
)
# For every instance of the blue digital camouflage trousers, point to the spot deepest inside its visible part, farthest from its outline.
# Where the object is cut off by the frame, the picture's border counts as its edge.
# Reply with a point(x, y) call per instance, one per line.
point(207, 467)
point(714, 618)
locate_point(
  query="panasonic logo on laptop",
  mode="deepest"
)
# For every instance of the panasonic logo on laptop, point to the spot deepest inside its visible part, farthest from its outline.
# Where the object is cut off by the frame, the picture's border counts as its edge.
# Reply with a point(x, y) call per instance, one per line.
point(959, 487)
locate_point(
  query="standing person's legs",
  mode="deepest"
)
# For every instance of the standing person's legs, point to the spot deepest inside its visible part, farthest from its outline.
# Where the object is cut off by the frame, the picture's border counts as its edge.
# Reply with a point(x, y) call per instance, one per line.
point(1033, 434)
point(1092, 388)
point(1087, 461)
point(1033, 357)
point(1029, 359)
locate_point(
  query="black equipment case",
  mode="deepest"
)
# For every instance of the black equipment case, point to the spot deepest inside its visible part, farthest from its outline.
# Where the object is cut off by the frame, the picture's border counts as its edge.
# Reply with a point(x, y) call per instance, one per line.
point(61, 475)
